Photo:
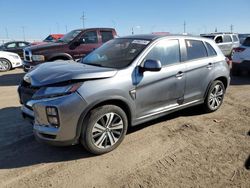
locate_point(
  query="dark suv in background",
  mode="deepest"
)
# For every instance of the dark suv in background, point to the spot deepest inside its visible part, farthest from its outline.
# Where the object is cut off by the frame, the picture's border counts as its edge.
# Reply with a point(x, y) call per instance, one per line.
point(125, 82)
point(72, 46)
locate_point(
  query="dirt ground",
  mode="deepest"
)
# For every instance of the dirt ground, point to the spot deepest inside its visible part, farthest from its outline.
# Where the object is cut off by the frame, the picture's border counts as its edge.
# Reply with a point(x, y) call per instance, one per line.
point(184, 149)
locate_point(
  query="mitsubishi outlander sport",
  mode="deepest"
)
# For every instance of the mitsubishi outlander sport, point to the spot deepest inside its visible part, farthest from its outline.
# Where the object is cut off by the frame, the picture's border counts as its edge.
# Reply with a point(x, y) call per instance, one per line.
point(125, 82)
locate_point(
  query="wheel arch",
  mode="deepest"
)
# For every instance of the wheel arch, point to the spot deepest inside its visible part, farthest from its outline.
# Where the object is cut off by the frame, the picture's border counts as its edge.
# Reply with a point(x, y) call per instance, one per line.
point(223, 79)
point(63, 56)
point(112, 101)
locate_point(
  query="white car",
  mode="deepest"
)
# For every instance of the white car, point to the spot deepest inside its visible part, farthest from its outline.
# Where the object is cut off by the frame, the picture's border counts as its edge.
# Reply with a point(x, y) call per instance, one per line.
point(241, 58)
point(9, 60)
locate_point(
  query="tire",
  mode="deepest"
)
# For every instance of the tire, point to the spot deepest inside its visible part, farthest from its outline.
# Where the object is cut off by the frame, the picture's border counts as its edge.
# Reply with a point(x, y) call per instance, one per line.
point(214, 96)
point(5, 65)
point(104, 129)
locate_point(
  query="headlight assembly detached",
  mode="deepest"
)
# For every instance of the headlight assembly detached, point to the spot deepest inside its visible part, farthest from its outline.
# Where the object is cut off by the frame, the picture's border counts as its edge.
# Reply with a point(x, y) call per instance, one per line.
point(49, 92)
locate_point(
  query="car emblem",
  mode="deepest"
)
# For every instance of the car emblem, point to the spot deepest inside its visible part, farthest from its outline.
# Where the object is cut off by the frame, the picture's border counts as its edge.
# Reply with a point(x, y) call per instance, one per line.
point(26, 78)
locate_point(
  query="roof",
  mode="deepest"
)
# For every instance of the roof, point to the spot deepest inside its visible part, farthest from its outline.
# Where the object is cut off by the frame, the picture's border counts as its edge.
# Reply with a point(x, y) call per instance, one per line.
point(157, 36)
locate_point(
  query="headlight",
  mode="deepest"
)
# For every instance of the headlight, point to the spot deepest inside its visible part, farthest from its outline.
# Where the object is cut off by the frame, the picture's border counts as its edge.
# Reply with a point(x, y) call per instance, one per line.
point(38, 58)
point(14, 56)
point(49, 92)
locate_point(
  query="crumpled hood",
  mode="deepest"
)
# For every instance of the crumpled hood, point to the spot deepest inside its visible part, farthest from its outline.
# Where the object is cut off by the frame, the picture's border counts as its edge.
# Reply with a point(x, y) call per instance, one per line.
point(62, 71)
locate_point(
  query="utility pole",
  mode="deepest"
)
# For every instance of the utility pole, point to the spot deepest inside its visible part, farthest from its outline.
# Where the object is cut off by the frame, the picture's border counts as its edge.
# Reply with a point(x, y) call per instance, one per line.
point(7, 33)
point(184, 25)
point(83, 20)
point(231, 28)
point(216, 30)
point(132, 30)
point(66, 28)
point(23, 33)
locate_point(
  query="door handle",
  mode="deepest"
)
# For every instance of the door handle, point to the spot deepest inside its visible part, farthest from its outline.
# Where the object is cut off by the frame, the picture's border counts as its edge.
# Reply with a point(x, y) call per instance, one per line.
point(210, 65)
point(179, 75)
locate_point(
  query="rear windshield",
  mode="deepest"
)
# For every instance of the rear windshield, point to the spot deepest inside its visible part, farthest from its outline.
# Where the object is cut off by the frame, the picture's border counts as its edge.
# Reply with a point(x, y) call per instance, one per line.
point(247, 42)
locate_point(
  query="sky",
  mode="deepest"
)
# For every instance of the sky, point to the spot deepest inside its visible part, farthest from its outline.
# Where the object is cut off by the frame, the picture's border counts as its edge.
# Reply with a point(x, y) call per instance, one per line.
point(35, 19)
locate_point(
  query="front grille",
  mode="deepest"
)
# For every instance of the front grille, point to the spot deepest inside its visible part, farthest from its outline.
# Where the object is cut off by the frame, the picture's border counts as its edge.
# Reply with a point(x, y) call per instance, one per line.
point(26, 91)
point(27, 55)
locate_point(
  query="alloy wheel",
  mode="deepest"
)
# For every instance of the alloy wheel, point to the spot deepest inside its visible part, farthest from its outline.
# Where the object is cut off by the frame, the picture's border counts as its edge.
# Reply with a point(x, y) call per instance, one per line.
point(107, 130)
point(216, 96)
point(4, 65)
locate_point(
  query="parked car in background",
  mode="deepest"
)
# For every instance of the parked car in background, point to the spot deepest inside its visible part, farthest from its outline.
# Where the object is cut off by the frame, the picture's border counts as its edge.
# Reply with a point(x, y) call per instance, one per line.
point(9, 60)
point(241, 58)
point(72, 46)
point(242, 37)
point(125, 82)
point(50, 38)
point(15, 46)
point(226, 42)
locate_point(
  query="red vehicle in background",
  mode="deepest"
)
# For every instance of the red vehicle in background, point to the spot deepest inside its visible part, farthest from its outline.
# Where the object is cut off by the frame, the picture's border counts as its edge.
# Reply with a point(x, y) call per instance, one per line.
point(50, 38)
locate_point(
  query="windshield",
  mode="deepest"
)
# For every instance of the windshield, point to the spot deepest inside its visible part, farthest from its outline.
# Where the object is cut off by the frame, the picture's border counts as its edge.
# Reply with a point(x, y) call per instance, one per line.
point(117, 53)
point(69, 36)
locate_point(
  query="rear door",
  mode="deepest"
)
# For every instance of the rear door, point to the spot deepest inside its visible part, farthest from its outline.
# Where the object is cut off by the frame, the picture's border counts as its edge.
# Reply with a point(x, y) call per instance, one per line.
point(89, 41)
point(159, 91)
point(198, 70)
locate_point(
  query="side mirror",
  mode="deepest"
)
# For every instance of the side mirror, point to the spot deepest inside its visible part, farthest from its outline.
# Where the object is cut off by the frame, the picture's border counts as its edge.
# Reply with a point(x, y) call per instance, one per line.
point(151, 65)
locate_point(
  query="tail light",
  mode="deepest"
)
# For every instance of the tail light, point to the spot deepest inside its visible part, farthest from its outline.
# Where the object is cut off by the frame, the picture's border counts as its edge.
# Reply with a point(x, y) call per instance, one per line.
point(240, 49)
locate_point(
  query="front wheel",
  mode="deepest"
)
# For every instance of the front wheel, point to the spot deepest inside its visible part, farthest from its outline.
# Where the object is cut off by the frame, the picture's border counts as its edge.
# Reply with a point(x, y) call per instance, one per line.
point(104, 129)
point(214, 96)
point(5, 65)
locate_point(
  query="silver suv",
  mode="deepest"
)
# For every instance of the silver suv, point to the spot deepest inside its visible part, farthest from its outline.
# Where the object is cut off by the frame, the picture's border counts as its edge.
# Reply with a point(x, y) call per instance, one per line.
point(126, 82)
point(226, 41)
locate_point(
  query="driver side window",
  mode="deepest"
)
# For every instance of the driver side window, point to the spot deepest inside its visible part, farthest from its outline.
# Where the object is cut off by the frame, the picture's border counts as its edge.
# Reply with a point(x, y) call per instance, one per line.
point(166, 51)
point(89, 37)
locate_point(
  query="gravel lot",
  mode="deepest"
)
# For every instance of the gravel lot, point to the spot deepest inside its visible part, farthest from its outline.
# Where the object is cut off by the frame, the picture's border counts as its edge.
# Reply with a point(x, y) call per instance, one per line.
point(184, 149)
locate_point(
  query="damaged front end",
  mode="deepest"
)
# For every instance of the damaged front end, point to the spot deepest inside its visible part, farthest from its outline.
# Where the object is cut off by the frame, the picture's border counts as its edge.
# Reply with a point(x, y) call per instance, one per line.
point(54, 110)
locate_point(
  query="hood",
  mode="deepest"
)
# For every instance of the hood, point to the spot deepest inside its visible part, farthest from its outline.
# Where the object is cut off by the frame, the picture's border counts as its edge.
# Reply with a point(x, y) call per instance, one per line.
point(45, 46)
point(8, 53)
point(62, 71)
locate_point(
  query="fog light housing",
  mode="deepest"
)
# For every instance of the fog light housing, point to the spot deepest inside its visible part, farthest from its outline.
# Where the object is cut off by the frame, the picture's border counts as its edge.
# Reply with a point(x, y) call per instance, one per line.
point(52, 116)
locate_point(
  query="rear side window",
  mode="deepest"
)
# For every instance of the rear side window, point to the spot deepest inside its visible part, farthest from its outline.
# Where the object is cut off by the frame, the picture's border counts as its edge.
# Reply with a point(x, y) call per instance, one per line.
point(167, 51)
point(235, 39)
point(247, 42)
point(106, 35)
point(195, 49)
point(210, 50)
point(22, 44)
point(227, 38)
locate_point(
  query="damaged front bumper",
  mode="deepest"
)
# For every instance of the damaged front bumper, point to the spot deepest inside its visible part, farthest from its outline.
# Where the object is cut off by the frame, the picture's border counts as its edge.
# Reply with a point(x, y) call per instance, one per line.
point(69, 109)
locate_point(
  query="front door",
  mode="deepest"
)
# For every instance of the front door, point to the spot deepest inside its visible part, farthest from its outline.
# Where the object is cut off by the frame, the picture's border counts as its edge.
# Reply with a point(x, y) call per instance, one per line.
point(158, 91)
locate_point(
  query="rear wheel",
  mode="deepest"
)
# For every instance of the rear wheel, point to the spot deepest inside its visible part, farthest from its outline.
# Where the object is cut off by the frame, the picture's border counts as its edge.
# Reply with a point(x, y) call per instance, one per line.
point(214, 96)
point(5, 65)
point(104, 129)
